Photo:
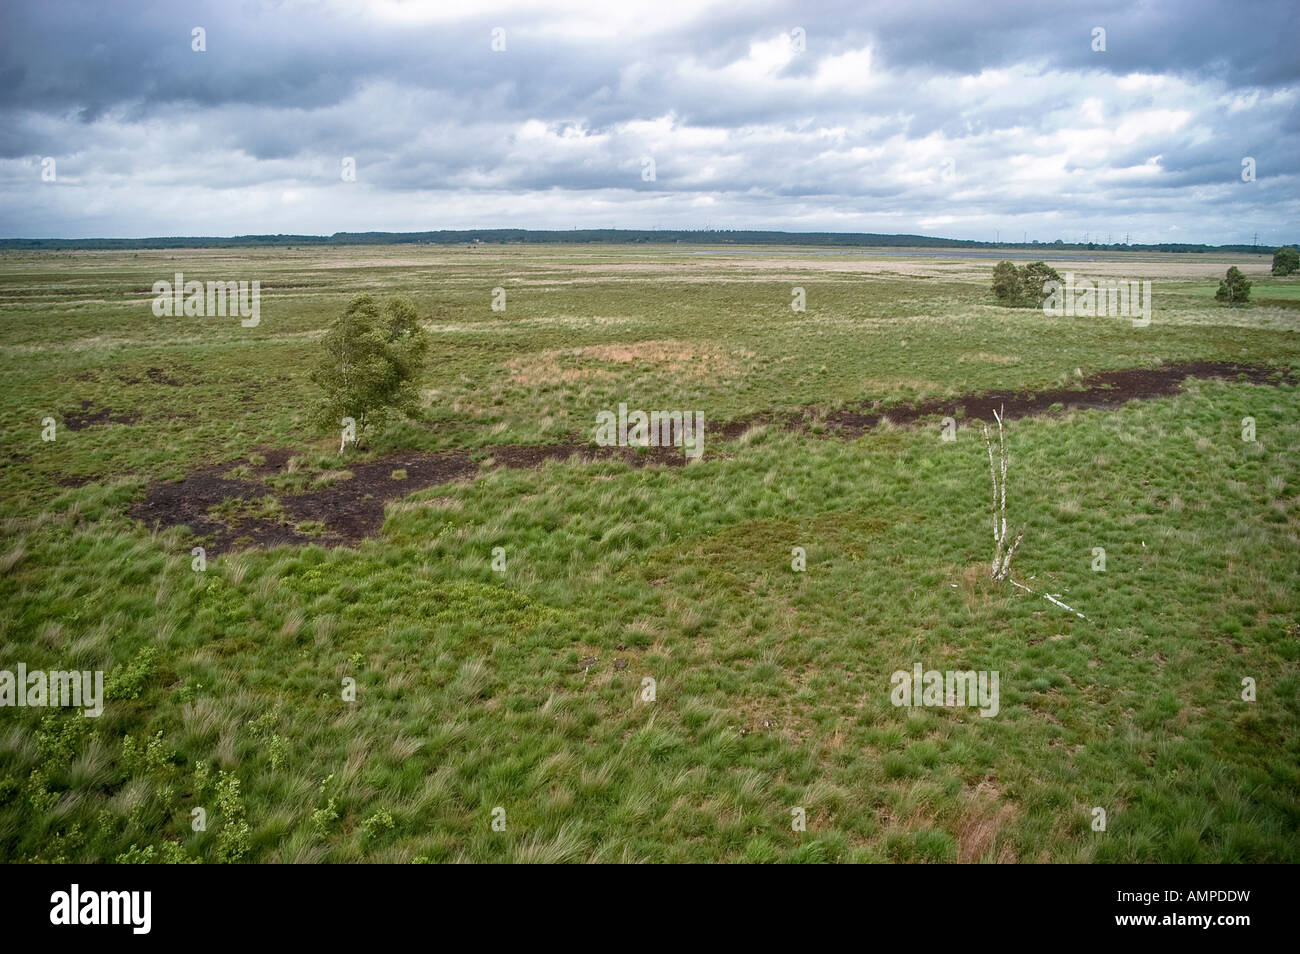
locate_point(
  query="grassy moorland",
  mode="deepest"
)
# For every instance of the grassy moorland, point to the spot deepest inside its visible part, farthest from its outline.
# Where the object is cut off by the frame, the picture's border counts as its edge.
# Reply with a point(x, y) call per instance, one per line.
point(523, 690)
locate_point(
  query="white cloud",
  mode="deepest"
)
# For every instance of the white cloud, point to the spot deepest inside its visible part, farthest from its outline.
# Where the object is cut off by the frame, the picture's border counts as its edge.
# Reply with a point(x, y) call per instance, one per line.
point(872, 127)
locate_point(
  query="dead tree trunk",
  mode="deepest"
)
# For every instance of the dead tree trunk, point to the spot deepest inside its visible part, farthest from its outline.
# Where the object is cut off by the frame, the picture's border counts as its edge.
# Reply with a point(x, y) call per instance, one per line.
point(1002, 553)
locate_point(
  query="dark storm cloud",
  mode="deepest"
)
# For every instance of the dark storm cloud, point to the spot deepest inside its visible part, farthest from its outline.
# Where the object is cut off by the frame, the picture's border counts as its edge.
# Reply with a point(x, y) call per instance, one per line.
point(923, 116)
point(1250, 43)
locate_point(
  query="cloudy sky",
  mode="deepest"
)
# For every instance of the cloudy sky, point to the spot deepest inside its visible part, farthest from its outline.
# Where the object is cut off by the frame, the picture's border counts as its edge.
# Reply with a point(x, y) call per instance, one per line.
point(957, 118)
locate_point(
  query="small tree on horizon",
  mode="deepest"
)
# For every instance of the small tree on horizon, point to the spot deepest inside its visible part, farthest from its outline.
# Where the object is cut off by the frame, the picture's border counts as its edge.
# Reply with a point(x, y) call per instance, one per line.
point(1234, 290)
point(373, 356)
point(1285, 261)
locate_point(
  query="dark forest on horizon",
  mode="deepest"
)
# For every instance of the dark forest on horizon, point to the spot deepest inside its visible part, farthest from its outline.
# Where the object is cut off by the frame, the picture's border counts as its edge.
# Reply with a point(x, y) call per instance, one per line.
point(601, 237)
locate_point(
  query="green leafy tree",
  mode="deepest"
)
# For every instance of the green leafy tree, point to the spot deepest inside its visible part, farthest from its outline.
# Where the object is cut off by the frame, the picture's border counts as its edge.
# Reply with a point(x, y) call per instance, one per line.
point(1033, 279)
point(1234, 290)
point(1286, 260)
point(373, 358)
point(1023, 287)
point(1006, 283)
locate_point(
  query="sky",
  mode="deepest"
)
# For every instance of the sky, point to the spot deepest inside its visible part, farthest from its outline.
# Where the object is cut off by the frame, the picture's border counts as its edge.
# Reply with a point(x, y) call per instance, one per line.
point(973, 120)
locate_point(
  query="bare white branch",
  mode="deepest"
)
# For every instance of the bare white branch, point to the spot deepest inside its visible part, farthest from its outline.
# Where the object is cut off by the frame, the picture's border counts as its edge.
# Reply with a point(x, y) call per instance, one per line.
point(1001, 553)
point(1050, 597)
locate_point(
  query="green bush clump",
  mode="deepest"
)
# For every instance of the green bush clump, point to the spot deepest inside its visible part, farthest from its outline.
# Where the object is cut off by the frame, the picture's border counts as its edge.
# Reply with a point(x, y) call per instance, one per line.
point(1285, 261)
point(127, 682)
point(1024, 287)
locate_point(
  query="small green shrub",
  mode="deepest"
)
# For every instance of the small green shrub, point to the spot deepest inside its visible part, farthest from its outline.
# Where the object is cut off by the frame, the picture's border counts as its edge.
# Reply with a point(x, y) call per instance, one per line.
point(377, 824)
point(323, 818)
point(235, 834)
point(127, 682)
point(1234, 290)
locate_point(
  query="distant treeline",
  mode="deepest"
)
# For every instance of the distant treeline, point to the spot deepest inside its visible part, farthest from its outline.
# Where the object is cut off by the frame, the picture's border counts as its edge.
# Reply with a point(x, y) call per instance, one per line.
point(596, 237)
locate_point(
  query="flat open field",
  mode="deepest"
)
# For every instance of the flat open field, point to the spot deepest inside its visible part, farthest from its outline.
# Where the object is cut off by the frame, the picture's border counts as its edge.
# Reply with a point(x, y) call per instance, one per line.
point(509, 715)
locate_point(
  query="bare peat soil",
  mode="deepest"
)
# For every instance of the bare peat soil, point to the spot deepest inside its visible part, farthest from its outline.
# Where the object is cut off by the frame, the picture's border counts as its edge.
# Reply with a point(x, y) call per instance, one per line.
point(352, 509)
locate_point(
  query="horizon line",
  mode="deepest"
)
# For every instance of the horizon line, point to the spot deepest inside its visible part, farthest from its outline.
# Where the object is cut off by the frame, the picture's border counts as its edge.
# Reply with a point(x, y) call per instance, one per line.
point(499, 235)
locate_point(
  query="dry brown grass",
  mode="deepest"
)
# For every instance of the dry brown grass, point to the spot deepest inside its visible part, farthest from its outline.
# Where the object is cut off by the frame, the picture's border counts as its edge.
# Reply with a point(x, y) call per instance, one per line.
point(986, 814)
